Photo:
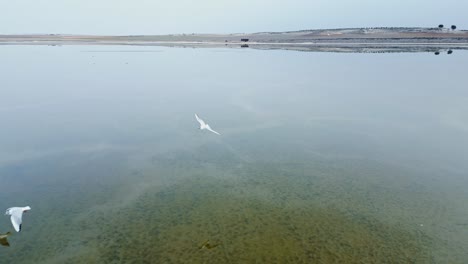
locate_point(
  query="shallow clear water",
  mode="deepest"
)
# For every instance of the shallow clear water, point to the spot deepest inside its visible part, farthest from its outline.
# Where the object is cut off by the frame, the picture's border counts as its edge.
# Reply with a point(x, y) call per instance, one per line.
point(323, 157)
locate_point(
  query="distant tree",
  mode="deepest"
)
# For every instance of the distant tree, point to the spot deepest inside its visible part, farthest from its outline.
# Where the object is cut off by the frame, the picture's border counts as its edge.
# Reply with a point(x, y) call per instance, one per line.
point(453, 27)
point(441, 26)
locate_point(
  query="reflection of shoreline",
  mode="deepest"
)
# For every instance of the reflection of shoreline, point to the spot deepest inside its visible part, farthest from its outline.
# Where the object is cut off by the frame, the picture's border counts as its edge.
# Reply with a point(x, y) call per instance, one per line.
point(339, 47)
point(324, 40)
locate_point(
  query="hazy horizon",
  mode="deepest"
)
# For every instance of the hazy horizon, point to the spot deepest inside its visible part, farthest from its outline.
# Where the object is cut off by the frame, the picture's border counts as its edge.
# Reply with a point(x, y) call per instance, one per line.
point(176, 17)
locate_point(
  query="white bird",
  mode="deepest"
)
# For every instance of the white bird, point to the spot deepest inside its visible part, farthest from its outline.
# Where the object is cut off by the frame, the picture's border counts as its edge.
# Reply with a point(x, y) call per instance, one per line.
point(17, 216)
point(204, 125)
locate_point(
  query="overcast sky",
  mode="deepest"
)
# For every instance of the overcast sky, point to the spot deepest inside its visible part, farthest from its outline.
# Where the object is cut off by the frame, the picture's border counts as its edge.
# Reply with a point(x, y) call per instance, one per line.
point(219, 16)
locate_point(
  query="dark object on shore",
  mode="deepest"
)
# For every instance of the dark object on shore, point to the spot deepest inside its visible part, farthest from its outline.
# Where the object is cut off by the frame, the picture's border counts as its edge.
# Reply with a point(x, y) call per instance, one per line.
point(245, 39)
point(441, 26)
point(453, 27)
point(3, 239)
point(436, 53)
point(244, 46)
point(449, 52)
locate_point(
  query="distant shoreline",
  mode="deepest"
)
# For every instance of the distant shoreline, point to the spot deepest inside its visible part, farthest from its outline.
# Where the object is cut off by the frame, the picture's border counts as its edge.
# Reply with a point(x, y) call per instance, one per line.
point(345, 40)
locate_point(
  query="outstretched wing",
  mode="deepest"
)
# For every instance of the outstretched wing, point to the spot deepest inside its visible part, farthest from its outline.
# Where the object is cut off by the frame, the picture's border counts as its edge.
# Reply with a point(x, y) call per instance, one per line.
point(209, 128)
point(202, 123)
point(16, 219)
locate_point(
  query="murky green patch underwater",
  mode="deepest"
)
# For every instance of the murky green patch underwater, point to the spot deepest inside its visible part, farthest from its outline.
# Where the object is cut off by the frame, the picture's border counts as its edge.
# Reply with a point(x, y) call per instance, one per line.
point(251, 229)
point(323, 211)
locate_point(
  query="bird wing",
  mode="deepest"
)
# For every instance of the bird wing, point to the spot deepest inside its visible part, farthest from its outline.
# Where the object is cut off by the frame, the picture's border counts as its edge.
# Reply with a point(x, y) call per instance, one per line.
point(209, 128)
point(202, 123)
point(16, 219)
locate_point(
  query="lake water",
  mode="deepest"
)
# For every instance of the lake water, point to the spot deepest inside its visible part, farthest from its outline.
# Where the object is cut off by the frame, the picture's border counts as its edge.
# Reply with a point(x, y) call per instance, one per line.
point(322, 158)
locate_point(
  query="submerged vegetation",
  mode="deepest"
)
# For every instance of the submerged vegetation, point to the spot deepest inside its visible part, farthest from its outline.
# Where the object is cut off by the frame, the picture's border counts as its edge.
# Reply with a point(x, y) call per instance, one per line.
point(236, 211)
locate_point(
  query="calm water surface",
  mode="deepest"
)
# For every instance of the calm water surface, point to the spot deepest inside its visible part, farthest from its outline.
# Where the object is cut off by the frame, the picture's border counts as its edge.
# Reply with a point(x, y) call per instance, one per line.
point(323, 157)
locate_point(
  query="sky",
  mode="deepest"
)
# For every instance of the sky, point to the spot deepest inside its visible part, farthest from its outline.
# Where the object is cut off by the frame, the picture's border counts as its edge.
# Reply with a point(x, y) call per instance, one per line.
point(124, 17)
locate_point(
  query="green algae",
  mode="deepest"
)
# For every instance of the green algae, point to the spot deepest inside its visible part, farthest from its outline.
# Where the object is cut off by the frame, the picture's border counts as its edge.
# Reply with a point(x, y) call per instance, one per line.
point(251, 230)
point(169, 209)
point(179, 207)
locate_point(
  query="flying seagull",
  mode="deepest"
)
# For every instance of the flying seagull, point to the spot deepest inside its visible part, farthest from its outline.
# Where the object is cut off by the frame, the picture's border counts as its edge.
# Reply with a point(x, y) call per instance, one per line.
point(3, 239)
point(204, 125)
point(17, 215)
